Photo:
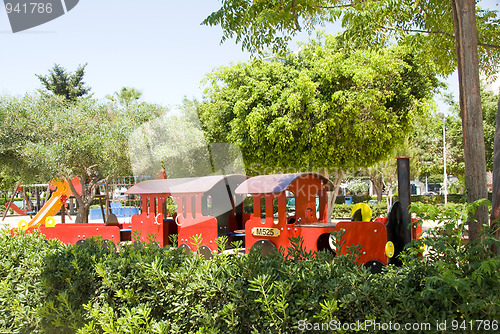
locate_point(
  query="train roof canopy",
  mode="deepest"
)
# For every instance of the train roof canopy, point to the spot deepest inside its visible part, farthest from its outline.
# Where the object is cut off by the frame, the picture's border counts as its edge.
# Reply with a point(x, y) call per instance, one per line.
point(185, 185)
point(277, 183)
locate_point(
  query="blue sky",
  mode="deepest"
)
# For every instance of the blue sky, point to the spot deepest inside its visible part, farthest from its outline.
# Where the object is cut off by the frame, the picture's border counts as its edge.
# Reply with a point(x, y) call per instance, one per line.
point(158, 47)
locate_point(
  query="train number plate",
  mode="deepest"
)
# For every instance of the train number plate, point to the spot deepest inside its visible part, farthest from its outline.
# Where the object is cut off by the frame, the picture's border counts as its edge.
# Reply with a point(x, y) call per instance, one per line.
point(265, 232)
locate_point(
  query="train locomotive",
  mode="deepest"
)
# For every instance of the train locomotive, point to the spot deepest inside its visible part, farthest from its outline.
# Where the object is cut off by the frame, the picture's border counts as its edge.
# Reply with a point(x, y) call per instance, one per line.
point(214, 206)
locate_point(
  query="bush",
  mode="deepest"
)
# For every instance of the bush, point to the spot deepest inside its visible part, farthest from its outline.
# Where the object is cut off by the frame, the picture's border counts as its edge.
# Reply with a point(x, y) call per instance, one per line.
point(47, 287)
point(439, 199)
point(21, 291)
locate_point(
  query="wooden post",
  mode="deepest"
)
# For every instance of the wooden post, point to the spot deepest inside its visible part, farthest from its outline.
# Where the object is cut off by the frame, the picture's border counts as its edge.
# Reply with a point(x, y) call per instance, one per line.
point(102, 209)
point(47, 195)
point(106, 194)
point(28, 203)
point(63, 212)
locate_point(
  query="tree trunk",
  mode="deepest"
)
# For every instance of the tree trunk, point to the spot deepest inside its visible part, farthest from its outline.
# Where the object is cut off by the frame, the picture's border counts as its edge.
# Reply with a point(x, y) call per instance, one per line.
point(332, 195)
point(389, 199)
point(82, 215)
point(464, 24)
point(495, 211)
point(88, 193)
point(378, 185)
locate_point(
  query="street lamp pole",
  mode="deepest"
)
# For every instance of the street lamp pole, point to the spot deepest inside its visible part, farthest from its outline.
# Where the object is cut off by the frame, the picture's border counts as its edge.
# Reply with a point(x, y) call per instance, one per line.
point(443, 117)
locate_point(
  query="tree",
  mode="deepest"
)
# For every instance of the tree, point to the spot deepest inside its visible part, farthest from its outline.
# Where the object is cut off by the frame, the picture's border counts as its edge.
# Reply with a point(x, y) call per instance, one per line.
point(65, 84)
point(322, 108)
point(319, 108)
point(447, 33)
point(87, 139)
point(125, 97)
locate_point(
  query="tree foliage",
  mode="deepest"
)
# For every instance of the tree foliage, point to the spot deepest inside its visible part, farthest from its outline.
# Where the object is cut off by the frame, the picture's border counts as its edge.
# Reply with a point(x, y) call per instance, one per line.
point(425, 26)
point(456, 34)
point(63, 83)
point(125, 97)
point(427, 138)
point(323, 107)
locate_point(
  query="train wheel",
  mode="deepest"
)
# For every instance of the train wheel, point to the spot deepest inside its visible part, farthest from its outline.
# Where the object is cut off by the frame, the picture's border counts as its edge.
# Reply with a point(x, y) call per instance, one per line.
point(138, 244)
point(81, 242)
point(186, 248)
point(206, 252)
point(154, 245)
point(266, 247)
point(361, 212)
point(374, 266)
point(108, 245)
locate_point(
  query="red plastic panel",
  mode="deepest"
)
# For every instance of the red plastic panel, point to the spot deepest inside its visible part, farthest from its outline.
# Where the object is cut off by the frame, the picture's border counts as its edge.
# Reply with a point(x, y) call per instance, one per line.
point(372, 236)
point(71, 233)
point(148, 225)
point(206, 227)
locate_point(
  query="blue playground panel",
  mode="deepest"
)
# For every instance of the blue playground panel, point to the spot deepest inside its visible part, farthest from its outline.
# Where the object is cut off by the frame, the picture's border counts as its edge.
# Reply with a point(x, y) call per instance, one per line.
point(118, 210)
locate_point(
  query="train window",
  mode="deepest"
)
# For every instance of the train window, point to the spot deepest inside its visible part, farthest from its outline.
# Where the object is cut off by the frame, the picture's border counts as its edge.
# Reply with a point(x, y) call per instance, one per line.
point(290, 207)
point(326, 242)
point(155, 205)
point(237, 201)
point(206, 205)
point(248, 204)
point(169, 207)
point(193, 206)
point(148, 203)
point(184, 206)
point(317, 206)
point(263, 209)
point(275, 210)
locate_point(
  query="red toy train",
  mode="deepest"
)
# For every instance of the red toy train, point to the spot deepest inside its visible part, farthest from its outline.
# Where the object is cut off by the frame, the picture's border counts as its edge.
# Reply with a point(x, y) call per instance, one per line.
point(213, 206)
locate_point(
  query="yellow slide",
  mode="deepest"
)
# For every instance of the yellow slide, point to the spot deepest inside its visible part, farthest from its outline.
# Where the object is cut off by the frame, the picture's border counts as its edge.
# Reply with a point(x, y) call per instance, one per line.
point(53, 205)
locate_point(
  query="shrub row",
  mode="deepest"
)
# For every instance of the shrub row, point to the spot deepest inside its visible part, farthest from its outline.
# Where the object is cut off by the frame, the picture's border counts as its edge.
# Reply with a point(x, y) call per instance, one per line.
point(344, 210)
point(47, 287)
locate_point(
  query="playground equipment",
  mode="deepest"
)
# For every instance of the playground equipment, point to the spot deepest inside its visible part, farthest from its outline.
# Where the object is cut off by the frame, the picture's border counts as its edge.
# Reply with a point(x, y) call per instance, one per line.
point(56, 201)
point(35, 198)
point(11, 205)
point(210, 207)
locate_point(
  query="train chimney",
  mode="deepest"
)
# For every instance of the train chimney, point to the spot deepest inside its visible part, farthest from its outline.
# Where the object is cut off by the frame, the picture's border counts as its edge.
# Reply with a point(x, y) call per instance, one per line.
point(403, 167)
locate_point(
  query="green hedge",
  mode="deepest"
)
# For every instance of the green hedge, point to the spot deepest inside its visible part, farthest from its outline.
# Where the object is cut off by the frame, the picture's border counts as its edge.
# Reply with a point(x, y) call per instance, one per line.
point(47, 287)
point(435, 199)
point(344, 210)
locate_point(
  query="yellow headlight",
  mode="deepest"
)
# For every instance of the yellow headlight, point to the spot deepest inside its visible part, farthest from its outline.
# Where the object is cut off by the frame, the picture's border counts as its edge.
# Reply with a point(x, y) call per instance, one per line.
point(389, 249)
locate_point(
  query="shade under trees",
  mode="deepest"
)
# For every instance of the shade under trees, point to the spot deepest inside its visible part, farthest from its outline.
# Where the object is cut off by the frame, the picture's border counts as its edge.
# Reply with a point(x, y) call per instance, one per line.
point(323, 108)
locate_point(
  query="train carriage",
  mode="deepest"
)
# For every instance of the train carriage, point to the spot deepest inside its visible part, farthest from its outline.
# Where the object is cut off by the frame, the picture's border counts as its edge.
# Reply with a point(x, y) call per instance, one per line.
point(205, 206)
point(271, 230)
